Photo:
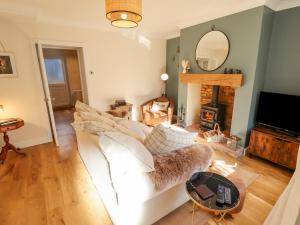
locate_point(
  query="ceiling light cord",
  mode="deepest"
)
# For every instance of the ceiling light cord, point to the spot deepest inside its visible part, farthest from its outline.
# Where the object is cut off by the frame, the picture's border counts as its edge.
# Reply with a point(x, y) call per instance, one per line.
point(2, 46)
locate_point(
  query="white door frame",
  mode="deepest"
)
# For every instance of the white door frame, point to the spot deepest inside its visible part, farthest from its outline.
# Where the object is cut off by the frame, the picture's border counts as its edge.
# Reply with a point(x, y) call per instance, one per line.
point(81, 53)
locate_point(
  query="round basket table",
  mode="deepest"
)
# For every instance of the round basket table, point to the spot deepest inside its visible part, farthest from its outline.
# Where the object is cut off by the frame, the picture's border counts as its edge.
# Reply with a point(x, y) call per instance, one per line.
point(212, 180)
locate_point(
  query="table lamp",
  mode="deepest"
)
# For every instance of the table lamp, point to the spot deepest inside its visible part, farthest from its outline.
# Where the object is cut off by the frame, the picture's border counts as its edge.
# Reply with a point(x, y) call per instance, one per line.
point(164, 77)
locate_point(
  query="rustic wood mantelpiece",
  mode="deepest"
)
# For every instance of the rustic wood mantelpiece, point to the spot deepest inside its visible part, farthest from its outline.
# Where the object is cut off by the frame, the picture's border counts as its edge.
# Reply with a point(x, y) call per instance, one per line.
point(231, 80)
point(274, 146)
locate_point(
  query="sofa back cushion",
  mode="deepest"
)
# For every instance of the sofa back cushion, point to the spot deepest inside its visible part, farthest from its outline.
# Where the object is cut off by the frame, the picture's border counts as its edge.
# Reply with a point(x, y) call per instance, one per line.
point(164, 139)
point(125, 154)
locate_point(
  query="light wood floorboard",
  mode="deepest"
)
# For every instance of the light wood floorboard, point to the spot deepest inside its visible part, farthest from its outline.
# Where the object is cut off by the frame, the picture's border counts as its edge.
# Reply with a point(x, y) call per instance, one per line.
point(51, 186)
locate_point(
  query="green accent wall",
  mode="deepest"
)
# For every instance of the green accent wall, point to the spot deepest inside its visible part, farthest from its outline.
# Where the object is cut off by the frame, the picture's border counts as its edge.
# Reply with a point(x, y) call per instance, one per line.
point(173, 51)
point(283, 71)
point(264, 44)
point(262, 60)
point(243, 31)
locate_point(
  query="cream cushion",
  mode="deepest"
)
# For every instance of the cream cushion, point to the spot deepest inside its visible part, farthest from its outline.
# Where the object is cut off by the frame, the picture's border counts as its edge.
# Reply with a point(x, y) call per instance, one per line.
point(92, 116)
point(82, 107)
point(96, 123)
point(111, 123)
point(92, 127)
point(125, 154)
point(159, 106)
point(164, 139)
point(139, 128)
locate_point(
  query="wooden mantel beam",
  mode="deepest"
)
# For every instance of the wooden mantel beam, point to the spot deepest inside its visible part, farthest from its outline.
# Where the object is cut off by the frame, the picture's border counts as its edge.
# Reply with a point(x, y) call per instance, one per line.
point(232, 80)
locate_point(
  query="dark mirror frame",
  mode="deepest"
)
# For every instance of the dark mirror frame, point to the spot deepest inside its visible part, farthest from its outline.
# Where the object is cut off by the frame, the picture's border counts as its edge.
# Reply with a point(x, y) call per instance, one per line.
point(226, 55)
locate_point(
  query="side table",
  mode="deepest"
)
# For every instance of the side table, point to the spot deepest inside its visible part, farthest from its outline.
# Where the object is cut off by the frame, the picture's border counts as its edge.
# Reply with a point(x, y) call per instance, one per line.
point(4, 128)
point(123, 111)
point(212, 180)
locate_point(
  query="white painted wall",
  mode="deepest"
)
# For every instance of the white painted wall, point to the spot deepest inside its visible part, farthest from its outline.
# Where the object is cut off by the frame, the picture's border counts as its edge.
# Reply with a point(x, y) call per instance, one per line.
point(193, 104)
point(125, 65)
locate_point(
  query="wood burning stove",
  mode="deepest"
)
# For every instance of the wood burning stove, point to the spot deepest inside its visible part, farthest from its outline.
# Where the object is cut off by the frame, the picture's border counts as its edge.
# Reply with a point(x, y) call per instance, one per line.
point(213, 112)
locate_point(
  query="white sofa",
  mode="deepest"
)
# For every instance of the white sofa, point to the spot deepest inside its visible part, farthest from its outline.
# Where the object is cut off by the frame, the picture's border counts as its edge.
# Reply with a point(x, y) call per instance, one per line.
point(132, 209)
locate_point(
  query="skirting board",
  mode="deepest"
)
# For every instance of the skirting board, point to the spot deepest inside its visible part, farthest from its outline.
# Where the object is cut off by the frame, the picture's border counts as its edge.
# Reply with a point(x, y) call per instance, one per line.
point(32, 142)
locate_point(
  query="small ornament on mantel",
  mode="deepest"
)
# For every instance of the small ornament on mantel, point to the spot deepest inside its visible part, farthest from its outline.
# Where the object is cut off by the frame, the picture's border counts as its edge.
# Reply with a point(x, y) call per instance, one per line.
point(185, 66)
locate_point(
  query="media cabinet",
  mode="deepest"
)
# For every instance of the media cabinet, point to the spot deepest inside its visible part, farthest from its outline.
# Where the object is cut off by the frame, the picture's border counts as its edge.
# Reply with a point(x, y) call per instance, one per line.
point(274, 146)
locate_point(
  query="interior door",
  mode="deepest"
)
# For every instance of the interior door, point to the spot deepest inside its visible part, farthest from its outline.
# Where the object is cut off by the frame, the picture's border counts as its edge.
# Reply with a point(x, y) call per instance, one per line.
point(46, 91)
point(58, 81)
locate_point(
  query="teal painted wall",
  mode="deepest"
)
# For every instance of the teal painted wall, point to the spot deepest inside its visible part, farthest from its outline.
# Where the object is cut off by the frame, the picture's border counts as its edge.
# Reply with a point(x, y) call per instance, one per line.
point(261, 64)
point(173, 51)
point(265, 45)
point(243, 30)
point(283, 71)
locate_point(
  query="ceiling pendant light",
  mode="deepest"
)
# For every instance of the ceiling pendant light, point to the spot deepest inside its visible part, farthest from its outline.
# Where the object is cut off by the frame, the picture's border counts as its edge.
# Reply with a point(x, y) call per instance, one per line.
point(124, 13)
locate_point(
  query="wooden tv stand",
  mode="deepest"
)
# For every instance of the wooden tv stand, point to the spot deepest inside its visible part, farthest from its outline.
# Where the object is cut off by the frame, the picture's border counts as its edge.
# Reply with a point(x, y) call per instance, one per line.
point(274, 146)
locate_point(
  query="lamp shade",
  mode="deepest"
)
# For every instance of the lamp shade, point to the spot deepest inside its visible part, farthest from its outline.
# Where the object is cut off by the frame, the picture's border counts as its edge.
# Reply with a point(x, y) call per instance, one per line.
point(1, 108)
point(124, 13)
point(164, 77)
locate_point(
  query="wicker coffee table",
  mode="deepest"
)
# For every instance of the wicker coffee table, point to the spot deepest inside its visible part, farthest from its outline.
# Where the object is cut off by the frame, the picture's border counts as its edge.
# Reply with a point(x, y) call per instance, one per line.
point(212, 180)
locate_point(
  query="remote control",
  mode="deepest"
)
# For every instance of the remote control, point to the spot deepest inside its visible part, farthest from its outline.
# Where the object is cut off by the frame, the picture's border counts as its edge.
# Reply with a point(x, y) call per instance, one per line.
point(227, 196)
point(221, 195)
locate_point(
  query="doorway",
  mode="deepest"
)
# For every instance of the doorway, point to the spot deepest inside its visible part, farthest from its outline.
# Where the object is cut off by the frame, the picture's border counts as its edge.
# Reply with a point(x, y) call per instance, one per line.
point(64, 79)
point(62, 69)
point(63, 74)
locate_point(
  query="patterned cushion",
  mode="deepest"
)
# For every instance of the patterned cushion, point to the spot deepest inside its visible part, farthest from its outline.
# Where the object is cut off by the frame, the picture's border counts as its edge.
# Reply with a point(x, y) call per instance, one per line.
point(159, 106)
point(93, 127)
point(82, 107)
point(164, 139)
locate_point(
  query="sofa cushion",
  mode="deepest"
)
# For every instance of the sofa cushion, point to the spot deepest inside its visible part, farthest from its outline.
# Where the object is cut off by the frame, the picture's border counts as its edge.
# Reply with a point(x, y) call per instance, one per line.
point(125, 154)
point(171, 169)
point(160, 106)
point(139, 128)
point(92, 127)
point(82, 107)
point(94, 116)
point(153, 119)
point(95, 124)
point(164, 139)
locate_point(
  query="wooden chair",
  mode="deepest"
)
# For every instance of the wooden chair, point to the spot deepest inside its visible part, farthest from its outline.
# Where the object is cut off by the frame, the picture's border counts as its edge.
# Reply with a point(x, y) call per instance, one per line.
point(154, 118)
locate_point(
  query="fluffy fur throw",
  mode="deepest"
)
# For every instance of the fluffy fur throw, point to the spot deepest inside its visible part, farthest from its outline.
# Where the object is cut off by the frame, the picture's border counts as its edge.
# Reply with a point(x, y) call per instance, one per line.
point(178, 166)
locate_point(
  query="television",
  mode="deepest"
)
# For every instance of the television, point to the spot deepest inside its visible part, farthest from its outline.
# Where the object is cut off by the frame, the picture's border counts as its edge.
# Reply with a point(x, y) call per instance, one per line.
point(279, 111)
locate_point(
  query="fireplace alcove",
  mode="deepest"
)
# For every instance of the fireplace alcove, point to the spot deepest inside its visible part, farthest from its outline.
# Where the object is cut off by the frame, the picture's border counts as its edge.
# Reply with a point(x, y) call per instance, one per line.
point(215, 99)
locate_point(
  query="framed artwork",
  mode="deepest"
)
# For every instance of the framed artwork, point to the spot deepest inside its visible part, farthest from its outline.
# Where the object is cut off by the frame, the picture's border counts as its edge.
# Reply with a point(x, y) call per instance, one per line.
point(7, 65)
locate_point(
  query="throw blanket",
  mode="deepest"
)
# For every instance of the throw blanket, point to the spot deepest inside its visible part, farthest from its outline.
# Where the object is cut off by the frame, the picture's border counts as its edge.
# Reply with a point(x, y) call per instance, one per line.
point(178, 166)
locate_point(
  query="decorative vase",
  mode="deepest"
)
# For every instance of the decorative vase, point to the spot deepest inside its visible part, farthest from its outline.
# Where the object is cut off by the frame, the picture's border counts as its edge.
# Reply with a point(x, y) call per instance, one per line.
point(185, 66)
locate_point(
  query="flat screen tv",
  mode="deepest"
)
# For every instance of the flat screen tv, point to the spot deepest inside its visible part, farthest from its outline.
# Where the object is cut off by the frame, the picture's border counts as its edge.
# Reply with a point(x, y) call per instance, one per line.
point(279, 111)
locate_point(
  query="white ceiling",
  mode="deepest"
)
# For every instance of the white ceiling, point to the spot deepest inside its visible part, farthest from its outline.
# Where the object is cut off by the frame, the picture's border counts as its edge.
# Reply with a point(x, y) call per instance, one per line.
point(161, 18)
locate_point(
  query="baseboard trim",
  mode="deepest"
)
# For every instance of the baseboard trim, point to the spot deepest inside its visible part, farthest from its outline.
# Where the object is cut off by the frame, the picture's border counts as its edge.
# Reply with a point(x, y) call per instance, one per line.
point(32, 142)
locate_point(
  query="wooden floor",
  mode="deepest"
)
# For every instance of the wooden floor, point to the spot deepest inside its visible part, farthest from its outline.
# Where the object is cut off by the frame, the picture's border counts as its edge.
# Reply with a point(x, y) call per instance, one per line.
point(51, 186)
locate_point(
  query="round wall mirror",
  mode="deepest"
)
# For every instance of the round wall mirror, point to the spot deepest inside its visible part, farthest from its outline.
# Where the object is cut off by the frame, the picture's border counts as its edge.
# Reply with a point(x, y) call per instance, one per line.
point(212, 50)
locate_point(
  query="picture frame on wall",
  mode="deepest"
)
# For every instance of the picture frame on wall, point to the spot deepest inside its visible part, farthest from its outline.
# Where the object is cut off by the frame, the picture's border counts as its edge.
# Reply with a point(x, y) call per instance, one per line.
point(7, 65)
